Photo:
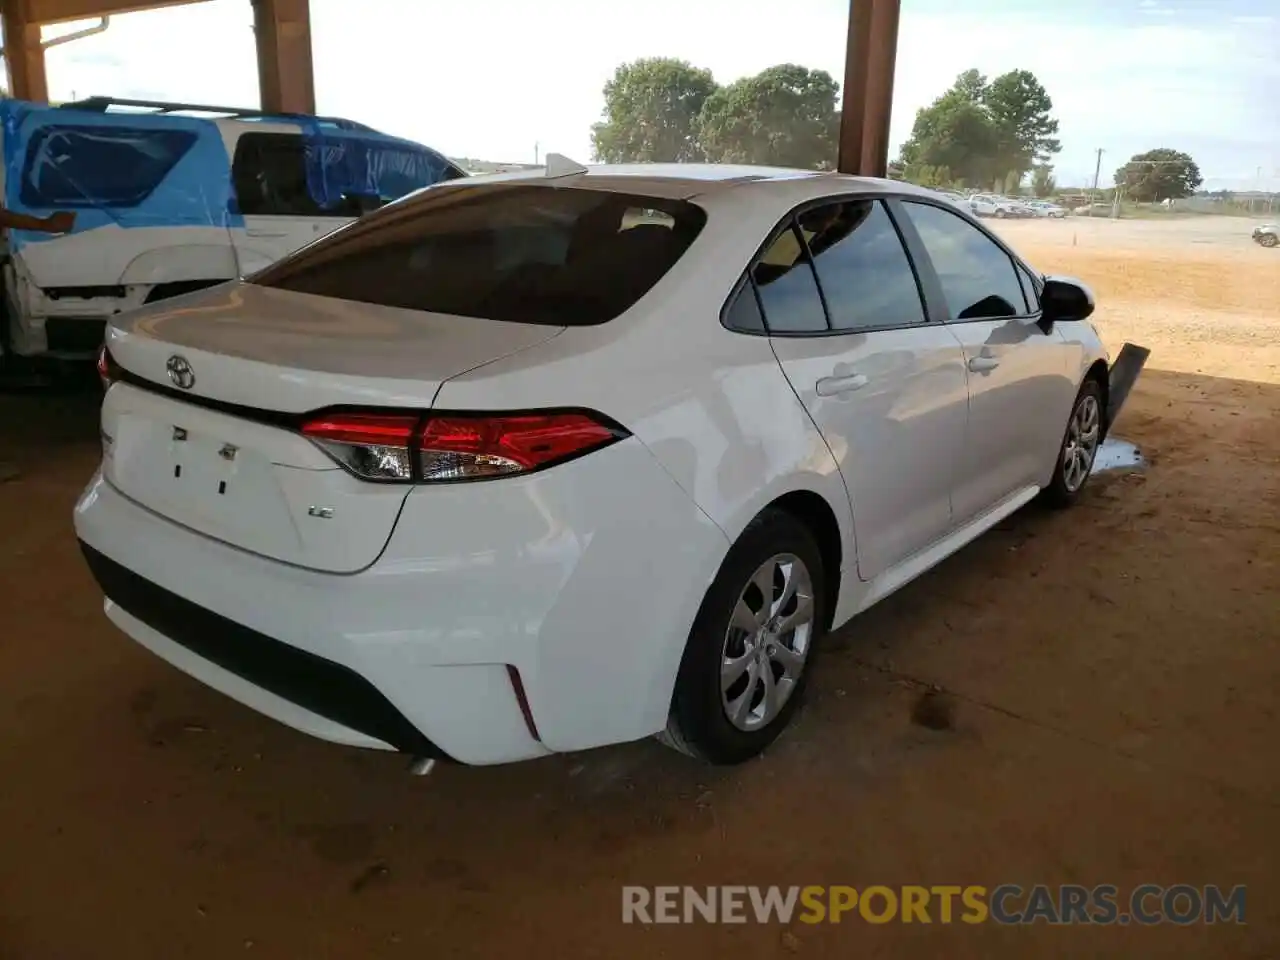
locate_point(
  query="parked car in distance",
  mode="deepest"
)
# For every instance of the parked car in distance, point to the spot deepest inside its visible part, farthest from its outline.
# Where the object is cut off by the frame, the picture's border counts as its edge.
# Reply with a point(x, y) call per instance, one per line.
point(1267, 235)
point(171, 198)
point(546, 461)
point(1043, 208)
point(986, 205)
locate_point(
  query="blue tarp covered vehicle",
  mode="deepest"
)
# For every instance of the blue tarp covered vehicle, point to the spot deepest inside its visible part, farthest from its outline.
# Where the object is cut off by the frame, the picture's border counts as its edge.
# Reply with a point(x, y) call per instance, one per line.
point(170, 198)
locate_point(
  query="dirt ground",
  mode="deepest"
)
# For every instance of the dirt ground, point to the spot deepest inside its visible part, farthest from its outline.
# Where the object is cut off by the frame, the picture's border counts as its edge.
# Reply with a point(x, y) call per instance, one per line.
point(1114, 668)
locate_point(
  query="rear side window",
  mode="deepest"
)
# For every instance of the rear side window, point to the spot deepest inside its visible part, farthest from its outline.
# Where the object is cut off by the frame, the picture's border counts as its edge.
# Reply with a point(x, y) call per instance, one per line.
point(788, 291)
point(93, 166)
point(521, 253)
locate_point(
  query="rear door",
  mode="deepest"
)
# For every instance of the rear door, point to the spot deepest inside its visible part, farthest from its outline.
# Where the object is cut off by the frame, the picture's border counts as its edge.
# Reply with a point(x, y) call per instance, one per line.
point(278, 210)
point(884, 386)
point(135, 183)
point(1021, 378)
point(294, 185)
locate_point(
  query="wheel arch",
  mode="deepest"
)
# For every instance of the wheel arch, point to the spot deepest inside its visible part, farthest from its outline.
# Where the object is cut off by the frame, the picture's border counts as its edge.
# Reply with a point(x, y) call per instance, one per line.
point(1098, 371)
point(812, 510)
point(820, 518)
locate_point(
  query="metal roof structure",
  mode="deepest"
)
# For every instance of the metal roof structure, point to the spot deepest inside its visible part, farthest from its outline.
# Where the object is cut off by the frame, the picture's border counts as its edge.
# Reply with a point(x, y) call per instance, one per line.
point(283, 34)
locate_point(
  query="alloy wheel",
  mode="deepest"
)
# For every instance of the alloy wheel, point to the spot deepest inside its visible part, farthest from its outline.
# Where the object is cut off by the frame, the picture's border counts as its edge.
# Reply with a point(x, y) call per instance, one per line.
point(1081, 446)
point(767, 642)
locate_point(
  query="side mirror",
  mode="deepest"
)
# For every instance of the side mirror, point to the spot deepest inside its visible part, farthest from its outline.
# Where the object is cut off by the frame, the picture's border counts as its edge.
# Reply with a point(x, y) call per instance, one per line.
point(1064, 300)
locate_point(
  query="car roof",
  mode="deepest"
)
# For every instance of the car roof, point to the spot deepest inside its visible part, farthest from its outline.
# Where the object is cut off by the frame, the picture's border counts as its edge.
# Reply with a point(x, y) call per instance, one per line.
point(684, 181)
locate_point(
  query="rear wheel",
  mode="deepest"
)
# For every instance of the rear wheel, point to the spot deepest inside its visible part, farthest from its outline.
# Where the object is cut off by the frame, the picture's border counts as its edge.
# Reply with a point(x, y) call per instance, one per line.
point(1079, 447)
point(749, 653)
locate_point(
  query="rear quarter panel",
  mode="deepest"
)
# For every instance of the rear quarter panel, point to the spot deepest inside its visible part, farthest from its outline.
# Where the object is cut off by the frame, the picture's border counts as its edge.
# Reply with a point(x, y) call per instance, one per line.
point(712, 407)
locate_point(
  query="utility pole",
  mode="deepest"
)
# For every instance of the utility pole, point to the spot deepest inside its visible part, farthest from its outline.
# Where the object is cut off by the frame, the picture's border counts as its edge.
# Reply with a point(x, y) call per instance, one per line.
point(1097, 172)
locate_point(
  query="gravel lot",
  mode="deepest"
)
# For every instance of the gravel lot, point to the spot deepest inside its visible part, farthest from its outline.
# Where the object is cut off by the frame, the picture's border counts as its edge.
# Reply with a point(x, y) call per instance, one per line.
point(1113, 669)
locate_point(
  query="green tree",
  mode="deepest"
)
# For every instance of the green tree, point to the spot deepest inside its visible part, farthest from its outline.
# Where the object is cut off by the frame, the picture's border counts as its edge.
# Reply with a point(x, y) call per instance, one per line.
point(986, 131)
point(923, 175)
point(785, 115)
point(651, 110)
point(1043, 183)
point(955, 132)
point(973, 85)
point(1160, 174)
point(1022, 111)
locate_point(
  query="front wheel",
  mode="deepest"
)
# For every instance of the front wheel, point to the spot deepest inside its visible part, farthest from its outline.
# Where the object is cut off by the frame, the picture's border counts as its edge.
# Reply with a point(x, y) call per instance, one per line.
point(1268, 239)
point(749, 652)
point(1000, 214)
point(1079, 447)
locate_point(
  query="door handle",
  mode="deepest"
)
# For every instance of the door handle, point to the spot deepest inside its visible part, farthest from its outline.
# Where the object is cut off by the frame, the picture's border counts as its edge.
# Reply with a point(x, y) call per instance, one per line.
point(983, 364)
point(834, 386)
point(269, 234)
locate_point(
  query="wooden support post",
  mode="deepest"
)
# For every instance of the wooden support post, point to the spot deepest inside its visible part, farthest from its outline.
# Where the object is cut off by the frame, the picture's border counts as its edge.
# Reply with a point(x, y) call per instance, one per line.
point(870, 57)
point(23, 55)
point(286, 76)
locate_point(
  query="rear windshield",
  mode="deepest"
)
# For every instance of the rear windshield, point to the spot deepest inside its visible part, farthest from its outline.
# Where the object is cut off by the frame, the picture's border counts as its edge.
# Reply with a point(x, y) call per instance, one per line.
point(526, 254)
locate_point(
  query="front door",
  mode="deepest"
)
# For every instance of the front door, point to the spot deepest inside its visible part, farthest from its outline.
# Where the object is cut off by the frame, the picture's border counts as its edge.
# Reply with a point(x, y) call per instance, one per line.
point(1020, 377)
point(885, 387)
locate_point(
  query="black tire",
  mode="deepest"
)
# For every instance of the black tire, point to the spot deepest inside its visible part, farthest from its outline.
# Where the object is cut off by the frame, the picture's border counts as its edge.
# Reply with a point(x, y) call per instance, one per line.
point(699, 723)
point(1268, 239)
point(1000, 214)
point(1061, 493)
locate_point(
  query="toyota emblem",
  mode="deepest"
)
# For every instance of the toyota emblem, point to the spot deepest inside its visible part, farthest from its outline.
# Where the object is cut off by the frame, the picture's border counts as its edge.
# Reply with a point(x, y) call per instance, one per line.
point(180, 372)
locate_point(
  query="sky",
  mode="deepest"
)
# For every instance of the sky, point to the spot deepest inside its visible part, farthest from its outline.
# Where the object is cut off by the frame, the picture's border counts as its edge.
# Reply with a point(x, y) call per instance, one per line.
point(505, 79)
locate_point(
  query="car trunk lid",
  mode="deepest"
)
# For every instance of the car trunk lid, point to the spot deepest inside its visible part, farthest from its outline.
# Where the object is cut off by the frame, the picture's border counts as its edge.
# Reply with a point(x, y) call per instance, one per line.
point(205, 427)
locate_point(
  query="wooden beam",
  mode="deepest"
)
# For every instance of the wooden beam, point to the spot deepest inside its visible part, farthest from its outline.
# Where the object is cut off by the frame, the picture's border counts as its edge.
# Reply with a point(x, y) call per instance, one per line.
point(286, 77)
point(870, 56)
point(60, 11)
point(23, 55)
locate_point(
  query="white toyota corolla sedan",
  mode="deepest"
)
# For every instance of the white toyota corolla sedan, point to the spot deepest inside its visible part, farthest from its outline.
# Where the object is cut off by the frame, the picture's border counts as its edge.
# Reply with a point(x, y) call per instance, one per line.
point(538, 462)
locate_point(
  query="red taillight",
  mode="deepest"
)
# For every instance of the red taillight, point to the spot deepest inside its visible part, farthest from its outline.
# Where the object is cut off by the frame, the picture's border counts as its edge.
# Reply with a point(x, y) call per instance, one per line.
point(472, 447)
point(408, 448)
point(371, 446)
point(108, 370)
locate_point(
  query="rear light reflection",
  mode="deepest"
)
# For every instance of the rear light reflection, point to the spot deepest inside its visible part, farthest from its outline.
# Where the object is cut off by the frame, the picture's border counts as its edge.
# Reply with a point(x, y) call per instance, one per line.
point(453, 447)
point(108, 369)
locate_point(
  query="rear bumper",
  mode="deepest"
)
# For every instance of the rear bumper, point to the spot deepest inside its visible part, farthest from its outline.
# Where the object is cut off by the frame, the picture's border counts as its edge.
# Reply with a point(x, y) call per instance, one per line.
point(585, 579)
point(311, 685)
point(68, 338)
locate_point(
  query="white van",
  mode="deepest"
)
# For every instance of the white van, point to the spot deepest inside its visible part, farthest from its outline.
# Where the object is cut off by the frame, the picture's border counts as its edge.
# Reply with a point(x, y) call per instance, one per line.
point(170, 198)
